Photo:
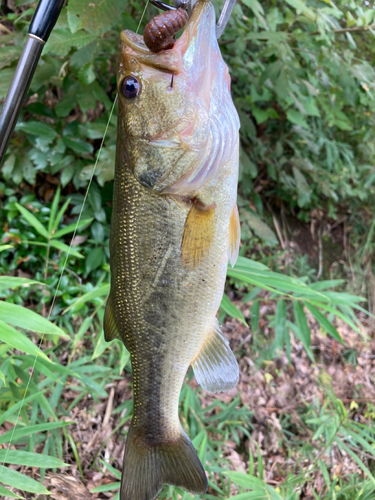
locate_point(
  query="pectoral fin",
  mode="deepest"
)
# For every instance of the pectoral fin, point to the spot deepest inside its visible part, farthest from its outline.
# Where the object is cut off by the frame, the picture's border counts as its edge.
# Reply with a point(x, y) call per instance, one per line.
point(109, 323)
point(198, 233)
point(216, 368)
point(234, 236)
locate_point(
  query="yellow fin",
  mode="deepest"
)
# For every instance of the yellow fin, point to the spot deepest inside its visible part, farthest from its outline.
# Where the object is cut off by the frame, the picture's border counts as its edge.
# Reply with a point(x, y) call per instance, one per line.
point(216, 368)
point(109, 323)
point(234, 236)
point(198, 233)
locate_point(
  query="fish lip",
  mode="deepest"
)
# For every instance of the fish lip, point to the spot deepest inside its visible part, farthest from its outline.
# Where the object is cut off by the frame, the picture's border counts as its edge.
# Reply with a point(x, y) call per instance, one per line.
point(134, 41)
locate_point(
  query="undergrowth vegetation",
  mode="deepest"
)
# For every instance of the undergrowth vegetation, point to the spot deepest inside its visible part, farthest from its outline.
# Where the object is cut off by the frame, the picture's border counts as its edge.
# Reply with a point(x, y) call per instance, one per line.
point(303, 82)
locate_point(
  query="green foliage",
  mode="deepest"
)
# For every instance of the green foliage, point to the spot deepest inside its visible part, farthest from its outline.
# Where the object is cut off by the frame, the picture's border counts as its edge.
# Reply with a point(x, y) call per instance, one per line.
point(302, 86)
point(303, 81)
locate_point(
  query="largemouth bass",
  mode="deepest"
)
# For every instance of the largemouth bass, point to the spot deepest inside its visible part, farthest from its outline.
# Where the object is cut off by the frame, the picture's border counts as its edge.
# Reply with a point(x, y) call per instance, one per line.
point(174, 226)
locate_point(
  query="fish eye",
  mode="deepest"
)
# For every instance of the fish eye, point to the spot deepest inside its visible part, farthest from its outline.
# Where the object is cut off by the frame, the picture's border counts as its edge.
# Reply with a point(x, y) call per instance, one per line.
point(130, 87)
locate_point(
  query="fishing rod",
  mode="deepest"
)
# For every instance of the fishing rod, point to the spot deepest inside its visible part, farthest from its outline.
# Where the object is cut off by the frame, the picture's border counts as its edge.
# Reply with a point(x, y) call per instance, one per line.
point(41, 25)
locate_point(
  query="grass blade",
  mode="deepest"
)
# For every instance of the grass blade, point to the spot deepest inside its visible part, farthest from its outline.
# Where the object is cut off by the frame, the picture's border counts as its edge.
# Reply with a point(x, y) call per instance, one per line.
point(33, 221)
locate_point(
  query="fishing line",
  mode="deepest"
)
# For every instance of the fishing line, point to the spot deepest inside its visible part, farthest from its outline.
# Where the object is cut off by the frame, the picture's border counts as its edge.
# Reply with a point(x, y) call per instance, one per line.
point(65, 262)
point(59, 281)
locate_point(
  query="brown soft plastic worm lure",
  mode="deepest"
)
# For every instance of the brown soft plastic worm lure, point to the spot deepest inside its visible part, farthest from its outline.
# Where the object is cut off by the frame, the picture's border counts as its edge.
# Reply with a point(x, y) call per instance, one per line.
point(159, 32)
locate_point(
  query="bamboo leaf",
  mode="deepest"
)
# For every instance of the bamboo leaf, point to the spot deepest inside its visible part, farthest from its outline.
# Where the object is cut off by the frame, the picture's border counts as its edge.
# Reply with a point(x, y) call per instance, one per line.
point(89, 296)
point(19, 341)
point(29, 430)
point(60, 215)
point(17, 480)
point(33, 221)
point(7, 493)
point(300, 316)
point(29, 459)
point(29, 320)
point(7, 282)
point(230, 309)
point(72, 227)
point(106, 487)
point(54, 207)
point(280, 327)
point(324, 322)
point(5, 416)
point(355, 457)
point(65, 248)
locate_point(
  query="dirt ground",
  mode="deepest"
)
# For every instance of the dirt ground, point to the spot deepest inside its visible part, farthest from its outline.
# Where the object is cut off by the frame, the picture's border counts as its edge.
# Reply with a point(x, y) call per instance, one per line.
point(271, 391)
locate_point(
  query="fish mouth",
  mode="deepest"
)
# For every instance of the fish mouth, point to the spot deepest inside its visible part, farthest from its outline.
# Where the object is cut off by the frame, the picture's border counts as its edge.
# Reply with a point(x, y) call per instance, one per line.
point(170, 60)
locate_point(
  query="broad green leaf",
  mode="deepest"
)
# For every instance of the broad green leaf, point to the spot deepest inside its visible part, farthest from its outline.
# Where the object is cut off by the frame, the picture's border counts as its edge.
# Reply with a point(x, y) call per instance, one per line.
point(304, 192)
point(94, 259)
point(79, 146)
point(62, 40)
point(301, 6)
point(324, 285)
point(33, 221)
point(17, 480)
point(231, 309)
point(272, 36)
point(2, 248)
point(244, 263)
point(93, 16)
point(20, 432)
point(38, 129)
point(7, 282)
point(18, 340)
point(297, 118)
point(29, 320)
point(19, 457)
point(261, 229)
point(5, 80)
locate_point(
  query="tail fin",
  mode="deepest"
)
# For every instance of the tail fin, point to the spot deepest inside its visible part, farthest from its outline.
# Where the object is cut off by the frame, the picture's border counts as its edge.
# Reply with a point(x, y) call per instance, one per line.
point(148, 466)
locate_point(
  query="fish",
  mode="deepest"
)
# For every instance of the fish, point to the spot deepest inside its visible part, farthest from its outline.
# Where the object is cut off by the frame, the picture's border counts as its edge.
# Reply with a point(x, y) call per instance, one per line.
point(174, 227)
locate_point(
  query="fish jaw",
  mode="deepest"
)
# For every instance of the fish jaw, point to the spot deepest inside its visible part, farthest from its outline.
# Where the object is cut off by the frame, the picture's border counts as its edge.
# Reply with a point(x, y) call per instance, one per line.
point(208, 79)
point(178, 136)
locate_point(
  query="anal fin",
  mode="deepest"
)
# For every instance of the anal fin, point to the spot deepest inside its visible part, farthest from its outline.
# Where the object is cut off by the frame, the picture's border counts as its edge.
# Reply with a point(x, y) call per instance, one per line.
point(234, 236)
point(109, 323)
point(198, 233)
point(216, 368)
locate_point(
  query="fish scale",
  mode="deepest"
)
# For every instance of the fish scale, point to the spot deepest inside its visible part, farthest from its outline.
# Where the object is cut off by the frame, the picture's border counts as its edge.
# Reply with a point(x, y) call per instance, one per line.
point(169, 247)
